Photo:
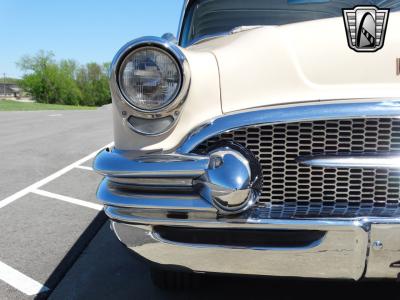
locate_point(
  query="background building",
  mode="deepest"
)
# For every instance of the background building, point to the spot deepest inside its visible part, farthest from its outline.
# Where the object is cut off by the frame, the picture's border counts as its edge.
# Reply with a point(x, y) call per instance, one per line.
point(10, 90)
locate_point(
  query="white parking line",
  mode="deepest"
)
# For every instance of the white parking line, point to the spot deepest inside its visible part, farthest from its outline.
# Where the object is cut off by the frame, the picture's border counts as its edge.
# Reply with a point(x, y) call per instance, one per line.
point(84, 168)
point(20, 281)
point(48, 179)
point(68, 199)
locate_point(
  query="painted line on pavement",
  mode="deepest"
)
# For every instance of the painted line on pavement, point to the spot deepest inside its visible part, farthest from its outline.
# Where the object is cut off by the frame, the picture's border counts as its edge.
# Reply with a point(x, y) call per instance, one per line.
point(48, 179)
point(68, 199)
point(21, 282)
point(84, 168)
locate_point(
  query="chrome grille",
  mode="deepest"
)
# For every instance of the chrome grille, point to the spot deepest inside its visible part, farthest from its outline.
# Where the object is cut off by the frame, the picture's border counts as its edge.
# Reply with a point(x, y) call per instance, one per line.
point(286, 182)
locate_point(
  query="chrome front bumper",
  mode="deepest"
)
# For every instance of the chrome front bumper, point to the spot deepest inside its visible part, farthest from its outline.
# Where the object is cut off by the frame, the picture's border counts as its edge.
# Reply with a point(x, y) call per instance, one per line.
point(146, 192)
point(350, 248)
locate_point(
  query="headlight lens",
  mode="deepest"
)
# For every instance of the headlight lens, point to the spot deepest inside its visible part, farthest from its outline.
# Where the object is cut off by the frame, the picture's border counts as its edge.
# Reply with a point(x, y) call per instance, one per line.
point(150, 78)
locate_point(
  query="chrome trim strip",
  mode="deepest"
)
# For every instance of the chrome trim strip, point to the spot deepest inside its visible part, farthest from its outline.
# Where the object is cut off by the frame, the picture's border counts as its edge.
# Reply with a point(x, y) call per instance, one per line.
point(255, 217)
point(182, 18)
point(170, 202)
point(115, 164)
point(208, 37)
point(364, 161)
point(132, 216)
point(155, 183)
point(289, 114)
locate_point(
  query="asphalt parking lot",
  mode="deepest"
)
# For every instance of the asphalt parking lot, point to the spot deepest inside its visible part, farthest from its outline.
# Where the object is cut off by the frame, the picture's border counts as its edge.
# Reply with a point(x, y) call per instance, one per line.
point(55, 241)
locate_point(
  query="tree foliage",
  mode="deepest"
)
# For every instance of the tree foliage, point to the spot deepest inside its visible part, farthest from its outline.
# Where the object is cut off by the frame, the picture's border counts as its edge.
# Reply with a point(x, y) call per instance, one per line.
point(65, 81)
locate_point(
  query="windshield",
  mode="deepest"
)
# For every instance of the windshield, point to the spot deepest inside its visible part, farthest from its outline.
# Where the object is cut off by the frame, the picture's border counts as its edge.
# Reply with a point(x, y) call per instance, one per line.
point(210, 17)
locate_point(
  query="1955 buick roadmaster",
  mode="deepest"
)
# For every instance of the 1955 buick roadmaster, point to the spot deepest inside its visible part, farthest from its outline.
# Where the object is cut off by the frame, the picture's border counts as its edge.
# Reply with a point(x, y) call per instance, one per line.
point(263, 140)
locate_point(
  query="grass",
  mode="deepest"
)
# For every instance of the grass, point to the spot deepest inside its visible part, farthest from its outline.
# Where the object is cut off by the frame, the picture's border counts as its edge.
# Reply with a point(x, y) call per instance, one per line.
point(9, 105)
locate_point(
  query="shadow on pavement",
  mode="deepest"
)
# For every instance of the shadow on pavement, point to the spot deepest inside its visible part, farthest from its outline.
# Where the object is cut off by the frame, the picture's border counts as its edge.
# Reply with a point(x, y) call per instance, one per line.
point(73, 254)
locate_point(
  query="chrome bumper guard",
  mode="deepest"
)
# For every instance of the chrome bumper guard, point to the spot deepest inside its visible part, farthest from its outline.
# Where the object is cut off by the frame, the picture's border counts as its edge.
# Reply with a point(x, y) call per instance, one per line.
point(151, 182)
point(142, 192)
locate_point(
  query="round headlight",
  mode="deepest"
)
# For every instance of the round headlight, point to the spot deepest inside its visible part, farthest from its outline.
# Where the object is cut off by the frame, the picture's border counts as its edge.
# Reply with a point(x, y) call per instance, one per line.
point(150, 78)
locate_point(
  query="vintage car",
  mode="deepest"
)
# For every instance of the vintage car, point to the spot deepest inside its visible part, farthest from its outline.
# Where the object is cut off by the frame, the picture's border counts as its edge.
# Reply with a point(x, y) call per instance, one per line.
point(264, 140)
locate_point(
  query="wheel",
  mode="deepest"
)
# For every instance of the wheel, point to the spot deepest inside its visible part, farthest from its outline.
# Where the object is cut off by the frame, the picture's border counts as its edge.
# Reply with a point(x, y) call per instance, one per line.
point(173, 280)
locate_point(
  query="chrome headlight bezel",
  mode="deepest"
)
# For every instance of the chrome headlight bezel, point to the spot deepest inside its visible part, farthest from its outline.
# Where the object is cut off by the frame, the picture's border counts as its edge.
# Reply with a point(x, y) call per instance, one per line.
point(173, 108)
point(128, 59)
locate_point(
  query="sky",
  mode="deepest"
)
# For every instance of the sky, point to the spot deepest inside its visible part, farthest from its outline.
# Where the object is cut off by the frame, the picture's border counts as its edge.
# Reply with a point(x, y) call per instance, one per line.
point(84, 30)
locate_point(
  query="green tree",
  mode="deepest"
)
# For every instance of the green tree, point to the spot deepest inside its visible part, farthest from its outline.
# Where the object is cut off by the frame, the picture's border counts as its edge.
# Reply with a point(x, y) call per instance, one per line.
point(93, 83)
point(69, 92)
point(40, 81)
point(64, 82)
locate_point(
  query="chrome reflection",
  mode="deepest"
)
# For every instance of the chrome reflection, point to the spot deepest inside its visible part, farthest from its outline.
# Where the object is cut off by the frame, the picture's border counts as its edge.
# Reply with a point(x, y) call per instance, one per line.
point(345, 251)
point(233, 179)
point(228, 178)
point(111, 194)
point(353, 160)
point(341, 254)
point(289, 114)
point(118, 164)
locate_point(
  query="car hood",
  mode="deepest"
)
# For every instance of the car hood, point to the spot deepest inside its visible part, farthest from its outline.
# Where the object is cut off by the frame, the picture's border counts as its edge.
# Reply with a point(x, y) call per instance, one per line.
point(309, 61)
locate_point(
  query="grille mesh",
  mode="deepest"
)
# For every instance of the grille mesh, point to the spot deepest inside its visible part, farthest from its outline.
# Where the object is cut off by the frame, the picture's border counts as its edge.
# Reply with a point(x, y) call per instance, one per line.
point(286, 182)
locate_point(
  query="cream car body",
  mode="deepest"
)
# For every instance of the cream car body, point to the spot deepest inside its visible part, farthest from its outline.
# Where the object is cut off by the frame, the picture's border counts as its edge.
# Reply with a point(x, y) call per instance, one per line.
point(257, 76)
point(275, 65)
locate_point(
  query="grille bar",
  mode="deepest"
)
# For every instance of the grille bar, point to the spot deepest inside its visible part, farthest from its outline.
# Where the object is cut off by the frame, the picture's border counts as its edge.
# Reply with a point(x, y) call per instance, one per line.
point(286, 182)
point(364, 161)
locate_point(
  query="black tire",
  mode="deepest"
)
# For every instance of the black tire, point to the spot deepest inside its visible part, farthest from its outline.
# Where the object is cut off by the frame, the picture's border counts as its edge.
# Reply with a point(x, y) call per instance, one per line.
point(173, 280)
